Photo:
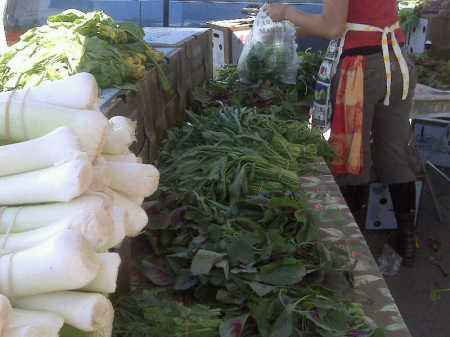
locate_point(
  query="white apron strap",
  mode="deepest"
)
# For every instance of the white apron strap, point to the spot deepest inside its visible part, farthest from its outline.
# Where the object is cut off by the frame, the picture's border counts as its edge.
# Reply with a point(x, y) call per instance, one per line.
point(384, 46)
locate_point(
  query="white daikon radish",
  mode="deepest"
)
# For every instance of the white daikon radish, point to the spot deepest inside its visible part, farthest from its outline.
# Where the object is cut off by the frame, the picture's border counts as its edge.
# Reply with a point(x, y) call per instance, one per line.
point(136, 199)
point(119, 217)
point(101, 175)
point(107, 330)
point(66, 261)
point(84, 311)
point(130, 157)
point(79, 91)
point(49, 320)
point(134, 179)
point(27, 331)
point(106, 279)
point(120, 136)
point(5, 312)
point(21, 121)
point(58, 146)
point(137, 219)
point(53, 184)
point(25, 218)
point(98, 236)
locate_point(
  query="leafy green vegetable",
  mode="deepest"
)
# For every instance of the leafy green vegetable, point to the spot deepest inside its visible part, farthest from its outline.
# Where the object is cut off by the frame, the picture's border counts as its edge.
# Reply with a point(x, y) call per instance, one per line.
point(280, 100)
point(307, 73)
point(436, 294)
point(275, 265)
point(266, 62)
point(236, 151)
point(148, 316)
point(73, 42)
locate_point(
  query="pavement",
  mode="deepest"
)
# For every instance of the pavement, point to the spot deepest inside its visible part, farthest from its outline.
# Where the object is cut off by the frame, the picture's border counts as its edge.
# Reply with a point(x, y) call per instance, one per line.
point(411, 287)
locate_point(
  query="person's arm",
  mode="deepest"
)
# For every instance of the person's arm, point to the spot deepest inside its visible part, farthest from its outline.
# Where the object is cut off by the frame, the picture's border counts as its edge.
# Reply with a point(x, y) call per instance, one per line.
point(329, 24)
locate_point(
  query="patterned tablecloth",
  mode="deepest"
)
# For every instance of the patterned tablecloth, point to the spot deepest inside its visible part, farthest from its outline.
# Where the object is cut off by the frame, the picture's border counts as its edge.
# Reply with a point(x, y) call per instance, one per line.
point(339, 226)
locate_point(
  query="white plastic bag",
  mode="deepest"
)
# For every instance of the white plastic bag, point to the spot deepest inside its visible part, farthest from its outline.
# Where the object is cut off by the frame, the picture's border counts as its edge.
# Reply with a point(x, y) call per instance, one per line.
point(270, 52)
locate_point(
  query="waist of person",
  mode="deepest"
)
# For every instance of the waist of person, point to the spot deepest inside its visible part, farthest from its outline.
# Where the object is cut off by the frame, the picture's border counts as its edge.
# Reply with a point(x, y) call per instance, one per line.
point(366, 50)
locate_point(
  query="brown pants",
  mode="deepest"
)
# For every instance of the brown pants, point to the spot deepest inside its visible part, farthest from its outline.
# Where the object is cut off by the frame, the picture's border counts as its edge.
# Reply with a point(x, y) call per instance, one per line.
point(388, 152)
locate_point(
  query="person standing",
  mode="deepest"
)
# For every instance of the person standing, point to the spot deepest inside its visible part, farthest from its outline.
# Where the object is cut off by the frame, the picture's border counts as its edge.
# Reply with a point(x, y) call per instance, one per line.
point(370, 88)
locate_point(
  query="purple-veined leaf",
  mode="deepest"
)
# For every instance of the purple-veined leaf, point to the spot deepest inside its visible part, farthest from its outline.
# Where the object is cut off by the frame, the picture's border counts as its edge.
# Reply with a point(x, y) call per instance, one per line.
point(204, 260)
point(156, 274)
point(315, 314)
point(233, 327)
point(159, 221)
point(283, 302)
point(283, 325)
point(176, 217)
point(185, 280)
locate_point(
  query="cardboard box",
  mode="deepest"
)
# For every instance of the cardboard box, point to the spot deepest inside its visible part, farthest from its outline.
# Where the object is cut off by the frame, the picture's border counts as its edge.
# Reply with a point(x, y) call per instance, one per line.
point(229, 37)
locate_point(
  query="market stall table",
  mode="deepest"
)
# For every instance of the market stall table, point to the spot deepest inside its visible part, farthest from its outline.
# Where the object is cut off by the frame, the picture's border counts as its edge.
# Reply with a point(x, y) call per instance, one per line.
point(339, 226)
point(337, 223)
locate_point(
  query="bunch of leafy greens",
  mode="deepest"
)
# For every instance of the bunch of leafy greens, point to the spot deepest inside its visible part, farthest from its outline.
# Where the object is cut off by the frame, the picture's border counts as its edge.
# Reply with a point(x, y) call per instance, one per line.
point(74, 42)
point(266, 62)
point(148, 316)
point(307, 73)
point(281, 100)
point(259, 261)
point(236, 151)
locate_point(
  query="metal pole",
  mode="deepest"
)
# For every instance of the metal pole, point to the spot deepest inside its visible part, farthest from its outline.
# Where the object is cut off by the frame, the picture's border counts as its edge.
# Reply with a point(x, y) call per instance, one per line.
point(166, 14)
point(140, 13)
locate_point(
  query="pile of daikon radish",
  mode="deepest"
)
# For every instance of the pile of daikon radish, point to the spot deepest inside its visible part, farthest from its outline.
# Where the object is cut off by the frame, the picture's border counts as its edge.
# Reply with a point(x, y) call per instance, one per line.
point(70, 190)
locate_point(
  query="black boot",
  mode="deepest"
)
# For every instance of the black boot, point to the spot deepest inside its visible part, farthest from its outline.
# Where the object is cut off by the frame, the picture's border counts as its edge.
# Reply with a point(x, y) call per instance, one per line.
point(407, 238)
point(356, 197)
point(404, 199)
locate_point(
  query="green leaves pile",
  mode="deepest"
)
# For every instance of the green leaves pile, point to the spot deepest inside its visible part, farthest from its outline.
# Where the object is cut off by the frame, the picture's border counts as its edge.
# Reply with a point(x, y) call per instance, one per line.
point(73, 42)
point(148, 316)
point(259, 262)
point(307, 73)
point(236, 152)
point(280, 100)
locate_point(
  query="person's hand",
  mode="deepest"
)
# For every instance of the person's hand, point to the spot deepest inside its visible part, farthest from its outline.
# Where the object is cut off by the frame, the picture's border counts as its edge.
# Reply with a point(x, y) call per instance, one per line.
point(276, 11)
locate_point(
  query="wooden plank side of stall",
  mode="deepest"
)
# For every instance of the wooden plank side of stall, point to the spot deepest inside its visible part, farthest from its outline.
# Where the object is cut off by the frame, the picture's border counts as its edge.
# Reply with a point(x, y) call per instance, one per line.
point(156, 110)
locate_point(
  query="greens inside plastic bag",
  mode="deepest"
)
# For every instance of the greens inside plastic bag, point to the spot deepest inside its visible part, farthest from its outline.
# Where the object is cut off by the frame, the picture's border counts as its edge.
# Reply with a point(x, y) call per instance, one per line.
point(270, 53)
